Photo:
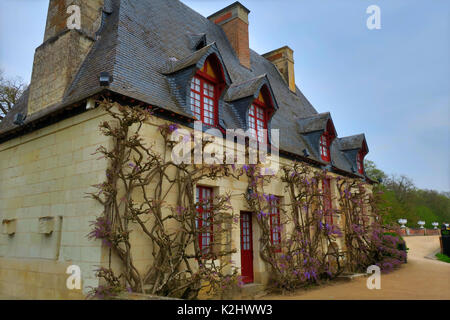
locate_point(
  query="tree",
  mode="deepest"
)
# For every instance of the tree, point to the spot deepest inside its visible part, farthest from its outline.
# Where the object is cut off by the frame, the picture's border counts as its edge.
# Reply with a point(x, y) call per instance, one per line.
point(405, 200)
point(403, 188)
point(373, 172)
point(10, 92)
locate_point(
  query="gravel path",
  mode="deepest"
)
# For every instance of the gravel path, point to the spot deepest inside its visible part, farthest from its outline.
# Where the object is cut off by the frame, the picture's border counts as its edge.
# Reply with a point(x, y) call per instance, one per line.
point(420, 278)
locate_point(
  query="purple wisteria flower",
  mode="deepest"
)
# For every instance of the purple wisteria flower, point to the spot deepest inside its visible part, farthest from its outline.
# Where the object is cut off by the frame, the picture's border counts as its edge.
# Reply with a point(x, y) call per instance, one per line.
point(262, 214)
point(102, 230)
point(173, 127)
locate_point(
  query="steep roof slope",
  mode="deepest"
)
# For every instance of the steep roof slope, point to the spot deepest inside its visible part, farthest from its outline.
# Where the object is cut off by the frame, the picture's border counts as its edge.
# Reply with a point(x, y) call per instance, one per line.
point(138, 40)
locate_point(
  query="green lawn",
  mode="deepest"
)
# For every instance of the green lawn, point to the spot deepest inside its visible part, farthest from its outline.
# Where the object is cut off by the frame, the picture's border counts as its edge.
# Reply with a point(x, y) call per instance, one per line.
point(443, 257)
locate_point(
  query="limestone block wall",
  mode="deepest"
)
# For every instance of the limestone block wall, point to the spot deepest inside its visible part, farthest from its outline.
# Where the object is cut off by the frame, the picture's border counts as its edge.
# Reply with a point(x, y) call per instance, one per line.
point(46, 174)
point(90, 14)
point(55, 64)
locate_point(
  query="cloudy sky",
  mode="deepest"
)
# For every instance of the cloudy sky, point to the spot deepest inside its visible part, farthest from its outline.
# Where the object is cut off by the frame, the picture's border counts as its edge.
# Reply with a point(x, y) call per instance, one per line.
point(392, 84)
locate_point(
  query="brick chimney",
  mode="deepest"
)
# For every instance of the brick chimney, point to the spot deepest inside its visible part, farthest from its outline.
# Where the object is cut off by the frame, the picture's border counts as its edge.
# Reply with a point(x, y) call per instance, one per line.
point(234, 22)
point(57, 60)
point(283, 59)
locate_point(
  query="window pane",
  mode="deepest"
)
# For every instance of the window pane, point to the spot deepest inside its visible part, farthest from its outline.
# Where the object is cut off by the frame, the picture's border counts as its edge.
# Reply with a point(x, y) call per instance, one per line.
point(260, 124)
point(260, 113)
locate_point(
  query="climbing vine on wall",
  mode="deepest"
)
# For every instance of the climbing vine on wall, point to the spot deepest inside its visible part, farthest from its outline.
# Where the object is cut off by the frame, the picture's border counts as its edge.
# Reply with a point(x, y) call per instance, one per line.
point(146, 194)
point(367, 239)
point(135, 197)
point(308, 252)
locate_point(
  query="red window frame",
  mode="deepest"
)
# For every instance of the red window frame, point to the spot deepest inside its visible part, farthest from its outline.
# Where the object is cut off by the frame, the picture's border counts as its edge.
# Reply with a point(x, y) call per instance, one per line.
point(205, 196)
point(325, 141)
point(360, 162)
point(204, 89)
point(256, 114)
point(327, 204)
point(275, 224)
point(325, 147)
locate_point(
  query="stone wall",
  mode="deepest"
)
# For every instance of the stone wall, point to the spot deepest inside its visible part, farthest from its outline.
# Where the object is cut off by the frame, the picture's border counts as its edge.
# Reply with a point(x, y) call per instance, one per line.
point(57, 16)
point(55, 65)
point(47, 174)
point(419, 232)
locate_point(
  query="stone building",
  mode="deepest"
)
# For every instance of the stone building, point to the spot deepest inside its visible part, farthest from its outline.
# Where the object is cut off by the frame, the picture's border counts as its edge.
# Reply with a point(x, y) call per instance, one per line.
point(151, 52)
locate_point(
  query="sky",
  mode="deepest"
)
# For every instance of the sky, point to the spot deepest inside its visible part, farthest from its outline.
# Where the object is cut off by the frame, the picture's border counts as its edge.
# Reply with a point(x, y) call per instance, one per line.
point(393, 83)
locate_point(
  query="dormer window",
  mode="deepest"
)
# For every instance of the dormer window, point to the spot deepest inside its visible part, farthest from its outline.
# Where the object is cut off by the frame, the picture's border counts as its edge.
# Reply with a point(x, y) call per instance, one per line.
point(325, 147)
point(360, 157)
point(257, 122)
point(360, 162)
point(206, 88)
point(325, 141)
point(203, 101)
point(258, 115)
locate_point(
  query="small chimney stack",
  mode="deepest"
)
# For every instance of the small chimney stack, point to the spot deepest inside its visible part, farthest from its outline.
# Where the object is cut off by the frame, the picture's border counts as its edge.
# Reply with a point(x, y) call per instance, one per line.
point(234, 22)
point(283, 59)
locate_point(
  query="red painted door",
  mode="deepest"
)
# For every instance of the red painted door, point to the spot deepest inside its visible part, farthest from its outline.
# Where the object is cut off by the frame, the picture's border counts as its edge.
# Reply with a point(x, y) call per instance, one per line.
point(246, 247)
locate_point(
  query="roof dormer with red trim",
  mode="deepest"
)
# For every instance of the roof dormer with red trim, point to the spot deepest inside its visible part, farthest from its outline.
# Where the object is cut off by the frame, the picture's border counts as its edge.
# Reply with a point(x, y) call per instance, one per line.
point(319, 133)
point(255, 105)
point(325, 141)
point(198, 83)
point(207, 86)
point(355, 149)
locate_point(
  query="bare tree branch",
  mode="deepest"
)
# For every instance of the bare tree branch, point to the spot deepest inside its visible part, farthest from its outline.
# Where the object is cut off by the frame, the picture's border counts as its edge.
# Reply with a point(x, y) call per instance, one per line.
point(11, 89)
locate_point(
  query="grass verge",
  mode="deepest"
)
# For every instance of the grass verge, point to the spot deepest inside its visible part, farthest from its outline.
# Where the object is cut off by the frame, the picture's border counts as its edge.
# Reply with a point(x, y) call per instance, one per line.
point(443, 257)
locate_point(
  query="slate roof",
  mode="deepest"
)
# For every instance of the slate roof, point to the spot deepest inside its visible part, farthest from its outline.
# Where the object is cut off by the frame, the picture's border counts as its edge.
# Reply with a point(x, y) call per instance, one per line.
point(352, 142)
point(175, 65)
point(317, 122)
point(141, 41)
point(244, 89)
